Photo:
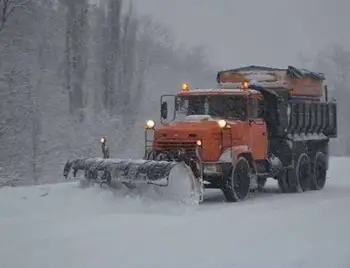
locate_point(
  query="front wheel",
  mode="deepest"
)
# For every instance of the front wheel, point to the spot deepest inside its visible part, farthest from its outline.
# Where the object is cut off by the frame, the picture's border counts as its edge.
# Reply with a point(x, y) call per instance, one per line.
point(237, 186)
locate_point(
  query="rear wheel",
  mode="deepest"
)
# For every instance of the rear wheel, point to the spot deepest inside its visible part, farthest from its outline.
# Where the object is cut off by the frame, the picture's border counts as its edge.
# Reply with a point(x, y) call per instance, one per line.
point(319, 175)
point(238, 184)
point(282, 180)
point(303, 172)
point(297, 179)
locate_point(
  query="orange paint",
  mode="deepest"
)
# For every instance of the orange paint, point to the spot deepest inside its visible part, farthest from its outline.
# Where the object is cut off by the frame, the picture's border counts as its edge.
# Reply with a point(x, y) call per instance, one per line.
point(238, 135)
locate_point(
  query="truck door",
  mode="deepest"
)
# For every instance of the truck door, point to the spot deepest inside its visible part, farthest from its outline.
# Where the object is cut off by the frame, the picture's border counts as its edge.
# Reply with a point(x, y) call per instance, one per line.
point(257, 130)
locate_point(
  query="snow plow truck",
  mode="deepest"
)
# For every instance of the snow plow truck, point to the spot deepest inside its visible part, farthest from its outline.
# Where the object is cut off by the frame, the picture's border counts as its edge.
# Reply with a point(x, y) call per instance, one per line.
point(259, 123)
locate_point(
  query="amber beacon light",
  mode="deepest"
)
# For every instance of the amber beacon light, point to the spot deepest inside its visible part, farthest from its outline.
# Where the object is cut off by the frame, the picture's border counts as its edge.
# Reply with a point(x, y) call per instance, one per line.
point(185, 87)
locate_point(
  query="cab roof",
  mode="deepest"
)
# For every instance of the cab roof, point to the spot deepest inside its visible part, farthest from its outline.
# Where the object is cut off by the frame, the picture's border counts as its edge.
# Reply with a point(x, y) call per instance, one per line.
point(218, 91)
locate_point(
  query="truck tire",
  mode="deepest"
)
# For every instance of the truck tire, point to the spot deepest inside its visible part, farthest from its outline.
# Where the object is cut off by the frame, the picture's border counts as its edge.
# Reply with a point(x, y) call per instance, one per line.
point(296, 180)
point(319, 173)
point(303, 173)
point(282, 180)
point(237, 187)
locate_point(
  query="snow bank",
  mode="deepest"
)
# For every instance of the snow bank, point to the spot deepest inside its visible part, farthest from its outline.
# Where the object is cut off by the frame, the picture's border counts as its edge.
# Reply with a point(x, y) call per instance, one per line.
point(65, 226)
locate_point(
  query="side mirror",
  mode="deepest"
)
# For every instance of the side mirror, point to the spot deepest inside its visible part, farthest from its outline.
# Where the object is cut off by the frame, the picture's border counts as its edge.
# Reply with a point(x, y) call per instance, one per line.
point(177, 104)
point(164, 110)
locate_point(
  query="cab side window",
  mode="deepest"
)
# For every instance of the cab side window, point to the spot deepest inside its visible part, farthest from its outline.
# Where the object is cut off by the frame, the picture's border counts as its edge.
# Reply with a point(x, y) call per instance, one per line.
point(262, 108)
point(254, 108)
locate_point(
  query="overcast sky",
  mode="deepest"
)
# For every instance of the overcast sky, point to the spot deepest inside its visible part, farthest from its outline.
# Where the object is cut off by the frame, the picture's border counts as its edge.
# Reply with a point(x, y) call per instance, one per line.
point(269, 32)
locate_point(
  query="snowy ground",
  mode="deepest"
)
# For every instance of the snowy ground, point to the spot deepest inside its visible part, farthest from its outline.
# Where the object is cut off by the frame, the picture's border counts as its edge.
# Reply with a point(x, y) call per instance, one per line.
point(63, 226)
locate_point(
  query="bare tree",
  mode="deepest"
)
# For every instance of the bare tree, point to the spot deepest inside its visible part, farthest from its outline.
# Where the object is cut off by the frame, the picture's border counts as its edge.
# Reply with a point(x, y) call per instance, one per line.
point(20, 100)
point(76, 55)
point(7, 7)
point(110, 54)
point(130, 90)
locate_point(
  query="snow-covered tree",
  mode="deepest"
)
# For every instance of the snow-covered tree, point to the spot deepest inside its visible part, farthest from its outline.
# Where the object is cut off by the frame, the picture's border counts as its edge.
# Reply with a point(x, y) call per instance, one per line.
point(76, 55)
point(71, 71)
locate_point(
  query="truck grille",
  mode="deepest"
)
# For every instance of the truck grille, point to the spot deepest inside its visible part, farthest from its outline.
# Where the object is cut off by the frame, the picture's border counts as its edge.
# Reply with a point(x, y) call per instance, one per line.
point(189, 146)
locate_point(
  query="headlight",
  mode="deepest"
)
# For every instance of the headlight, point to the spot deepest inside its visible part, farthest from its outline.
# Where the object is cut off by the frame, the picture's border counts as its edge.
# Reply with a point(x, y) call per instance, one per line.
point(150, 124)
point(222, 123)
point(199, 143)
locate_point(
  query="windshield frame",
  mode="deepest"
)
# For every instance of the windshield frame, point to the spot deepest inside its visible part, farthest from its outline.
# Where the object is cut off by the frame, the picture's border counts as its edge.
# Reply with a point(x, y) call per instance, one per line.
point(205, 99)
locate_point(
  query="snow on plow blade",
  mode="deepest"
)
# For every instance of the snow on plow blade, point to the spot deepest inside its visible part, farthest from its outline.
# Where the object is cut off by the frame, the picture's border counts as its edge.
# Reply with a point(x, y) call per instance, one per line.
point(128, 171)
point(174, 180)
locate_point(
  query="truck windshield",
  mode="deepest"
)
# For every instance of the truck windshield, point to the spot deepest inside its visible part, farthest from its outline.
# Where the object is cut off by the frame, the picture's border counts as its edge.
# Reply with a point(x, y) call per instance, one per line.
point(215, 106)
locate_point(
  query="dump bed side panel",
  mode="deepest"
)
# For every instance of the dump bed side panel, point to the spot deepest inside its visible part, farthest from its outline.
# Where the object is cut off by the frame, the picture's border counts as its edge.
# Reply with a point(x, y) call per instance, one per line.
point(312, 118)
point(304, 86)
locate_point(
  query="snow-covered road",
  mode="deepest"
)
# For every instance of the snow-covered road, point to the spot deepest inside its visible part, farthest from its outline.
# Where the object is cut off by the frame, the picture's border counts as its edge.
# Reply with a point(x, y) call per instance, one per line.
point(66, 227)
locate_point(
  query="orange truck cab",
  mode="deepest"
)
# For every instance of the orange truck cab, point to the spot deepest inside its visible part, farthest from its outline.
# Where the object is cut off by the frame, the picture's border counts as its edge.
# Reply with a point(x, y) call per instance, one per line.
point(258, 123)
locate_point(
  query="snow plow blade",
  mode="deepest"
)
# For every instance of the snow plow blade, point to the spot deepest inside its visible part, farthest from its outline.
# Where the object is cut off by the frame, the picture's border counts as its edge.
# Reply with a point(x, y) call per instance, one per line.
point(129, 171)
point(173, 180)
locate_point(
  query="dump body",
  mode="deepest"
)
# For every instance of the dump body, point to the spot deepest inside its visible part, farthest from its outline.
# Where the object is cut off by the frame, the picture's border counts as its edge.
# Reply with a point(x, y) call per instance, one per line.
point(296, 82)
point(307, 110)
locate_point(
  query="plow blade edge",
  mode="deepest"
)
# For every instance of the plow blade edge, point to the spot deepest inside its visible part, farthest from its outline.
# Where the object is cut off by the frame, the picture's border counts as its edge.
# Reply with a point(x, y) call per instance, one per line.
point(127, 171)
